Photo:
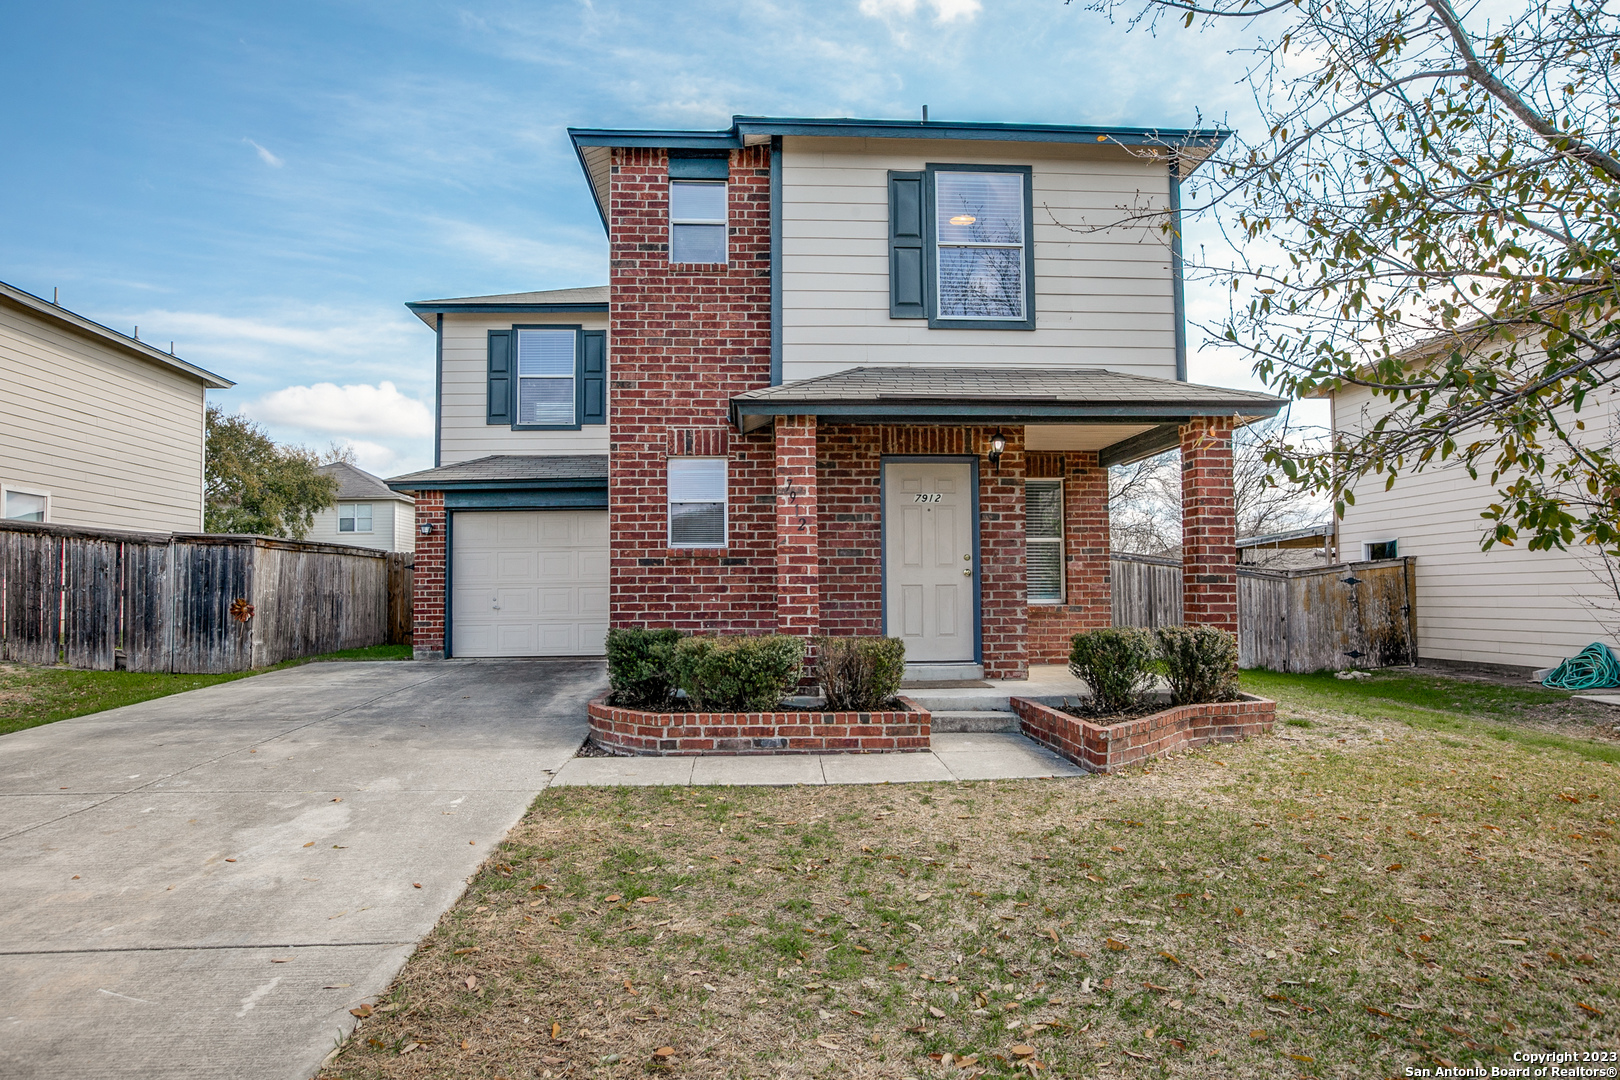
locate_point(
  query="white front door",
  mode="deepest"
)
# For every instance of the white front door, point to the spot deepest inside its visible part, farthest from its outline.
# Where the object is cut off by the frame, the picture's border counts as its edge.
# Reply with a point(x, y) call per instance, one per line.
point(931, 577)
point(529, 583)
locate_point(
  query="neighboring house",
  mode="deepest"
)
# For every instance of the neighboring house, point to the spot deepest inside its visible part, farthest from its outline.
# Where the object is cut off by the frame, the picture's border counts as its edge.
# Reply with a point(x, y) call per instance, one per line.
point(847, 376)
point(96, 428)
point(1508, 607)
point(368, 512)
point(1293, 549)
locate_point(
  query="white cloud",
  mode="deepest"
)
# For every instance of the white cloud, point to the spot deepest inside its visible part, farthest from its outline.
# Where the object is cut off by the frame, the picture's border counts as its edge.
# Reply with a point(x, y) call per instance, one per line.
point(267, 157)
point(357, 409)
point(944, 10)
point(374, 457)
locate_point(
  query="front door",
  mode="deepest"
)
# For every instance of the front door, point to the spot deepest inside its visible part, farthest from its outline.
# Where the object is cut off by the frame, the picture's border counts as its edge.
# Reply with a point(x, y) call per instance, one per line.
point(931, 576)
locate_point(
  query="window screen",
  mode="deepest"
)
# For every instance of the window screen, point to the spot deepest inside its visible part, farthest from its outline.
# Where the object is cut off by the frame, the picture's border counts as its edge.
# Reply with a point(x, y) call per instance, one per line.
point(697, 222)
point(545, 370)
point(979, 233)
point(697, 502)
point(1043, 540)
point(354, 517)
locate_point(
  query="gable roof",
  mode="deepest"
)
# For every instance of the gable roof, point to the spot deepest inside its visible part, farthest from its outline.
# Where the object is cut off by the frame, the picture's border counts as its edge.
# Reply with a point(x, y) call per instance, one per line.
point(591, 298)
point(61, 316)
point(506, 470)
point(356, 483)
point(594, 146)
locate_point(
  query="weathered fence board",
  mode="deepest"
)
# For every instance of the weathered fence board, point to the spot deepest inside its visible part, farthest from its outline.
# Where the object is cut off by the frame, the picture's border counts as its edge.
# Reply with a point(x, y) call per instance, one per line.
point(401, 596)
point(190, 603)
point(1350, 615)
point(1146, 591)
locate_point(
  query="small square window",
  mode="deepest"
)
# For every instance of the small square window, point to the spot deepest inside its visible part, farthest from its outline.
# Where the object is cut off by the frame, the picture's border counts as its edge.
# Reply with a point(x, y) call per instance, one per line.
point(1379, 550)
point(697, 502)
point(27, 506)
point(354, 517)
point(1043, 540)
point(697, 221)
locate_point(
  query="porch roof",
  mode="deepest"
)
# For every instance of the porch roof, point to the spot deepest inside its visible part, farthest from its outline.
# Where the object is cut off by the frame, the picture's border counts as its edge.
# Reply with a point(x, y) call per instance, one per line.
point(1146, 411)
point(509, 471)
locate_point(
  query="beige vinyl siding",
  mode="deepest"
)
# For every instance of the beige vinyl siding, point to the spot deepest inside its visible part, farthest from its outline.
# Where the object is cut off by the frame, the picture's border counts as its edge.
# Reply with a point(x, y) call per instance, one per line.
point(392, 524)
point(1508, 605)
point(462, 410)
point(1101, 299)
point(116, 440)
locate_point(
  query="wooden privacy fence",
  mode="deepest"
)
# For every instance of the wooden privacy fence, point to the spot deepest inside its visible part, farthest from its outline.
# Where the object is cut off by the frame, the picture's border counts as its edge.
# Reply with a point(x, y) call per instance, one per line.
point(190, 603)
point(1351, 615)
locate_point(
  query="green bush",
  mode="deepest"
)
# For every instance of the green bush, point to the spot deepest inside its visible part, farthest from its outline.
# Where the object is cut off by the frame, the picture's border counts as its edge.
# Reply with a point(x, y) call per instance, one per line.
point(738, 674)
point(639, 667)
point(1200, 662)
point(858, 674)
point(1117, 664)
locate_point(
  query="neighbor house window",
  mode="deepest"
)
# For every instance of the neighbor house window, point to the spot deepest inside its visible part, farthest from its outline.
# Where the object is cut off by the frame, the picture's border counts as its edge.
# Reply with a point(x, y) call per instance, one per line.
point(27, 506)
point(1381, 549)
point(697, 221)
point(697, 502)
point(1043, 540)
point(979, 238)
point(545, 377)
point(354, 517)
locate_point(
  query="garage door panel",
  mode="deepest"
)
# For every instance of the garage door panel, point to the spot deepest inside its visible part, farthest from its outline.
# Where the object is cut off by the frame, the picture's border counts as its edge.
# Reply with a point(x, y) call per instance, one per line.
point(530, 583)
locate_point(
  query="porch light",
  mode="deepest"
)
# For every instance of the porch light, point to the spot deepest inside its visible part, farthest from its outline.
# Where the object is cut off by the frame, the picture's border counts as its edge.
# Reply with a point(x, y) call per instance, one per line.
point(426, 528)
point(998, 443)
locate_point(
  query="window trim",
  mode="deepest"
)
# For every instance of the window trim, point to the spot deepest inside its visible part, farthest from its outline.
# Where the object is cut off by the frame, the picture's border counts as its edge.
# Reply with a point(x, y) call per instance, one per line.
point(1368, 545)
point(931, 250)
point(579, 392)
point(39, 493)
point(724, 222)
point(725, 505)
point(371, 517)
point(1060, 540)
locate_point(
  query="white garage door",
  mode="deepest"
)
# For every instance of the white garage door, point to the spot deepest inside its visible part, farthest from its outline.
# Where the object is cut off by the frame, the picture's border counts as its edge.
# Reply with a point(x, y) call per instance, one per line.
point(529, 583)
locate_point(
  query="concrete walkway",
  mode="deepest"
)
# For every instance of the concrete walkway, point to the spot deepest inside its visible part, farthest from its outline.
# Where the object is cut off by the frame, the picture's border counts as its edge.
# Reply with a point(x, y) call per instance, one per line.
point(988, 756)
point(203, 885)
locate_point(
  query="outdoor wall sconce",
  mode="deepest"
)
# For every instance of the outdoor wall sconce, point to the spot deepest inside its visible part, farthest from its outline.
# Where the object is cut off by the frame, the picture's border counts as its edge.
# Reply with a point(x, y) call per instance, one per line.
point(427, 528)
point(998, 443)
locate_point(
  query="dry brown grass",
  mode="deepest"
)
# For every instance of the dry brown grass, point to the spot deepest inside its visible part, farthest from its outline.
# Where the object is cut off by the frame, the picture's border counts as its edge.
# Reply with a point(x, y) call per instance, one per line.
point(1339, 900)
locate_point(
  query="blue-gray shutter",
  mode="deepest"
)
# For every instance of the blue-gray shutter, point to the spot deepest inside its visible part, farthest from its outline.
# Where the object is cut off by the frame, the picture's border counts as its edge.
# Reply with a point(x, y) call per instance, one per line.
point(593, 377)
point(500, 378)
point(907, 299)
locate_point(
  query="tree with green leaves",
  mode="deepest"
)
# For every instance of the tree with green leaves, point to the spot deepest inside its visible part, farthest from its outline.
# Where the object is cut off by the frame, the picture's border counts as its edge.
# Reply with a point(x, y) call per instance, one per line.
point(1431, 210)
point(253, 485)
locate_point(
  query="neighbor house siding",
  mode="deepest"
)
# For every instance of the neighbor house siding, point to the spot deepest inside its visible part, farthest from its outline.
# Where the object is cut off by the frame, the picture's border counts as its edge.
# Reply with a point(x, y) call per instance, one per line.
point(1508, 605)
point(116, 440)
point(1101, 298)
point(465, 435)
point(391, 527)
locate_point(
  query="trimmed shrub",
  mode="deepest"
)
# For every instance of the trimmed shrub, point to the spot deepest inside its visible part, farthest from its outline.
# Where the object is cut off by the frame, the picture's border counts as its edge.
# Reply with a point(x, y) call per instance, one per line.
point(859, 674)
point(738, 674)
point(1200, 662)
point(1117, 664)
point(639, 667)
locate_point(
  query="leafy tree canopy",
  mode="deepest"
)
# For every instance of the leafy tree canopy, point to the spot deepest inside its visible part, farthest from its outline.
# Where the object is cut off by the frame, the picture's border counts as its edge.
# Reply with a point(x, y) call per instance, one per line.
point(252, 485)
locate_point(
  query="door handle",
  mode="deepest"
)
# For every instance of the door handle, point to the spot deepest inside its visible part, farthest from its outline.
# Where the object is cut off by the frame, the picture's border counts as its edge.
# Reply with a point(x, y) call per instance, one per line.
point(968, 572)
point(495, 603)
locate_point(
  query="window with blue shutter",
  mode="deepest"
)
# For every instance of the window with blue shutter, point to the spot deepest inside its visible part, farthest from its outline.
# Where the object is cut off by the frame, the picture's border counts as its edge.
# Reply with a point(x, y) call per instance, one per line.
point(499, 393)
point(593, 377)
point(906, 273)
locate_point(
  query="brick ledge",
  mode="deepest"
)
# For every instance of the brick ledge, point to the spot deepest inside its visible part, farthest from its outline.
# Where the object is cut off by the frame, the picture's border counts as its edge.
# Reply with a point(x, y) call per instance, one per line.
point(1109, 748)
point(687, 733)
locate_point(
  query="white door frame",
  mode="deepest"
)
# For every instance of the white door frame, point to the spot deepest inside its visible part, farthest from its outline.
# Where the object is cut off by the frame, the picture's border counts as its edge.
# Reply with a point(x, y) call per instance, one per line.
point(972, 461)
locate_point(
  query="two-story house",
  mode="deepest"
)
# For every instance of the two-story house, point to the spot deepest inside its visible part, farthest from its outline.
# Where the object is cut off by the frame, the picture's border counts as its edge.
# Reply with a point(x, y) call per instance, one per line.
point(848, 376)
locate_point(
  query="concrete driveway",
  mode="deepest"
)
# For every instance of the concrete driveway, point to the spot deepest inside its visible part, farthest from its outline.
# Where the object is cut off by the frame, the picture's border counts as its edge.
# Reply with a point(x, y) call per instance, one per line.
point(204, 885)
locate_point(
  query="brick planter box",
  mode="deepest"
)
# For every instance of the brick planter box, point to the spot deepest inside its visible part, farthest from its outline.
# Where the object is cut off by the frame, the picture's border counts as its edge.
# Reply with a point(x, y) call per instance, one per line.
point(902, 730)
point(1109, 748)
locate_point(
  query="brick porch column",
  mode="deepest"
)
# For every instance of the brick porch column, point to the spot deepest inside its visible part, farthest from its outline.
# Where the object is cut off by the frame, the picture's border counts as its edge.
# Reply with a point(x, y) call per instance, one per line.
point(1208, 524)
point(1086, 542)
point(798, 572)
point(427, 579)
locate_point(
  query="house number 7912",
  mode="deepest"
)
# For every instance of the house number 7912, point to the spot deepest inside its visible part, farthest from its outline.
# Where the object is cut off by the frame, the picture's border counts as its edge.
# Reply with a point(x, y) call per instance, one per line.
point(929, 497)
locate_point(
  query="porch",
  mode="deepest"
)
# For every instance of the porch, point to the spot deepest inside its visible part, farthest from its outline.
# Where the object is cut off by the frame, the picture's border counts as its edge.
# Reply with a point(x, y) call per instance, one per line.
point(966, 511)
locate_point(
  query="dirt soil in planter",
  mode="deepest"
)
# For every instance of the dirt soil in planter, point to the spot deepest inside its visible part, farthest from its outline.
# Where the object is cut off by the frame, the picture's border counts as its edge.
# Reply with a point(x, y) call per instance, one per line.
point(1085, 711)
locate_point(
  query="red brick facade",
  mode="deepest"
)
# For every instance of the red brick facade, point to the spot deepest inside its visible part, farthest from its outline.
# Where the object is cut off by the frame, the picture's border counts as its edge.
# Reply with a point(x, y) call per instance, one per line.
point(798, 573)
point(1208, 525)
point(427, 589)
point(686, 338)
point(1109, 748)
point(1088, 601)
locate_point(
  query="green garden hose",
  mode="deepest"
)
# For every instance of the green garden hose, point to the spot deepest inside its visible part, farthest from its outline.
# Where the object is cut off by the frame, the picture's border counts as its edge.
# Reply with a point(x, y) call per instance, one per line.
point(1589, 669)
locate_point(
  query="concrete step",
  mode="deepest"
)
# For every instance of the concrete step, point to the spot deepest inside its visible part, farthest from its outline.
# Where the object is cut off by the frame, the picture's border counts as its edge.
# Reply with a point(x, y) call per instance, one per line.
point(974, 721)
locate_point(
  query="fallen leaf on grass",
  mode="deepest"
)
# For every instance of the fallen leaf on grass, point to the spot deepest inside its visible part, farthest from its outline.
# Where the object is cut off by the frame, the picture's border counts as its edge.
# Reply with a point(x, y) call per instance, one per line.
point(936, 1013)
point(556, 1030)
point(827, 1044)
point(471, 982)
point(613, 898)
point(1308, 1060)
point(1116, 946)
point(1258, 1035)
point(1588, 1008)
point(646, 899)
point(1139, 1057)
point(1023, 1050)
point(664, 1053)
point(362, 1011)
point(464, 952)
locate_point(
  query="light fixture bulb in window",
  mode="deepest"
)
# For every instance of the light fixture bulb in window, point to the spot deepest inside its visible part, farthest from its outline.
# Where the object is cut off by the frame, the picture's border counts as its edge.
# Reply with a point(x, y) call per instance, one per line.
point(963, 219)
point(998, 443)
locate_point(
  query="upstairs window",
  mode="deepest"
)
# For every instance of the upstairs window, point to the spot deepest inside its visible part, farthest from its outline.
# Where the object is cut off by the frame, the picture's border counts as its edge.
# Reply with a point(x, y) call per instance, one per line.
point(545, 377)
point(354, 517)
point(697, 221)
point(979, 230)
point(697, 502)
point(1043, 540)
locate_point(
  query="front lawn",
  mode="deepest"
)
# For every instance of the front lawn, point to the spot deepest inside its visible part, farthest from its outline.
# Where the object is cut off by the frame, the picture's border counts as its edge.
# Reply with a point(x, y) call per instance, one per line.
point(1351, 895)
point(32, 695)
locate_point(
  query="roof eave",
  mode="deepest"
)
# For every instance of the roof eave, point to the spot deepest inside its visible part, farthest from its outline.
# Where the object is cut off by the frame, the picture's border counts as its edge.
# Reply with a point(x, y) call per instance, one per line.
point(584, 483)
point(752, 415)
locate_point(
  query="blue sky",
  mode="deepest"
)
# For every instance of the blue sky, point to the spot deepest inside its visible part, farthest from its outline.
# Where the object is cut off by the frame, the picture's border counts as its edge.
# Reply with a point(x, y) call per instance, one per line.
point(266, 185)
